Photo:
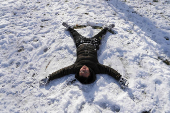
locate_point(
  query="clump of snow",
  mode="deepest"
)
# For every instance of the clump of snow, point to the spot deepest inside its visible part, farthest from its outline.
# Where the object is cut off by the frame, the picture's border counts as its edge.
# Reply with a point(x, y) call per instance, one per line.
point(33, 44)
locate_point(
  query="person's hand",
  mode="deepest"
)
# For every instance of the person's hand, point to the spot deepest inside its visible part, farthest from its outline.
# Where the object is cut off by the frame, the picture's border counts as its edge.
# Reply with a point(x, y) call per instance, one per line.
point(44, 81)
point(123, 83)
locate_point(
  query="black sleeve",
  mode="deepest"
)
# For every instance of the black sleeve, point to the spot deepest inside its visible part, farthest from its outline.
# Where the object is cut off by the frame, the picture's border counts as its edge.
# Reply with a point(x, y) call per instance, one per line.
point(62, 72)
point(108, 70)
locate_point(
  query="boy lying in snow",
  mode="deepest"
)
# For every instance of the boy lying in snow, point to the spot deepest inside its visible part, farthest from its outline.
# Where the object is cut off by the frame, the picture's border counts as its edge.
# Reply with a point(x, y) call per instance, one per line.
point(86, 66)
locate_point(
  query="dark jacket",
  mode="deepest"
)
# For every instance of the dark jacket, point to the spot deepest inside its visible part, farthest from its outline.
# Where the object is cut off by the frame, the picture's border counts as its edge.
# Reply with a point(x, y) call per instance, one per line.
point(86, 55)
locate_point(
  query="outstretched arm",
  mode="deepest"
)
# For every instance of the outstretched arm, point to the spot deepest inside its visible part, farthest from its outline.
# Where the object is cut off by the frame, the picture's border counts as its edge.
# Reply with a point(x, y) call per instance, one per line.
point(108, 70)
point(60, 73)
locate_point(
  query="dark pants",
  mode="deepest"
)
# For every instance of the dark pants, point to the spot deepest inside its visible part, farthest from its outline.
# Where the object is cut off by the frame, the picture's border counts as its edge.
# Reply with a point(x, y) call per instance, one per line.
point(79, 39)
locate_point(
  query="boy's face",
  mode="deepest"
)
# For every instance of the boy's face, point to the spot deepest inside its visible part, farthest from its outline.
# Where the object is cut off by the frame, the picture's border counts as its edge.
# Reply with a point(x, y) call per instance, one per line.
point(84, 71)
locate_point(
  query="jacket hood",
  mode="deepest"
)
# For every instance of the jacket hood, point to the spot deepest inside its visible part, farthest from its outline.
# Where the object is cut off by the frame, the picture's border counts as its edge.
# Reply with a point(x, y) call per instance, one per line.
point(87, 80)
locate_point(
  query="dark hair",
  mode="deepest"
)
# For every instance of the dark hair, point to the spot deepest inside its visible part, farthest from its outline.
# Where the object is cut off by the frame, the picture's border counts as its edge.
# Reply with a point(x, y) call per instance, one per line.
point(86, 80)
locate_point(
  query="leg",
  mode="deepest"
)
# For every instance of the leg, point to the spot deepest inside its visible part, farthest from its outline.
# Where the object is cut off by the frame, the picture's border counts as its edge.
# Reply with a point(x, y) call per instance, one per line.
point(101, 34)
point(97, 38)
point(76, 36)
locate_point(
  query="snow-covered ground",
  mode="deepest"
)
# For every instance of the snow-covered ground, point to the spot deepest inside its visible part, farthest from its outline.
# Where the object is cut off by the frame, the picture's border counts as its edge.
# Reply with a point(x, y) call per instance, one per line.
point(33, 44)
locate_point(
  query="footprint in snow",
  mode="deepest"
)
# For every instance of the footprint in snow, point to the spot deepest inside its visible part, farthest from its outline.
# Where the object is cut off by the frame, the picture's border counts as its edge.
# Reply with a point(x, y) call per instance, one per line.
point(157, 81)
point(1, 74)
point(21, 48)
point(42, 50)
point(18, 64)
point(112, 107)
point(140, 85)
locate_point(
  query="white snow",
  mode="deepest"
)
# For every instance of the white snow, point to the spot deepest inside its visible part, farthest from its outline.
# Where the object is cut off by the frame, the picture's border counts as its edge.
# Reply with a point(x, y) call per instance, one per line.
point(33, 44)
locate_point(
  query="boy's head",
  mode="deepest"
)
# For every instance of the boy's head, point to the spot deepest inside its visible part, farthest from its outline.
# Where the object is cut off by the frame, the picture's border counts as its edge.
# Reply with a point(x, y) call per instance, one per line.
point(85, 75)
point(84, 71)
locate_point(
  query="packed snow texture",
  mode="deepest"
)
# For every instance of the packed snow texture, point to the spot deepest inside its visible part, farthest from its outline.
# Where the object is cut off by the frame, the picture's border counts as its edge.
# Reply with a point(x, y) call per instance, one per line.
point(33, 44)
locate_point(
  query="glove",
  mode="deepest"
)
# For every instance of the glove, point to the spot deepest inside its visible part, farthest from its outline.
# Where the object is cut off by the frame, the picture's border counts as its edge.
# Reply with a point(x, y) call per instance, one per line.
point(123, 83)
point(44, 81)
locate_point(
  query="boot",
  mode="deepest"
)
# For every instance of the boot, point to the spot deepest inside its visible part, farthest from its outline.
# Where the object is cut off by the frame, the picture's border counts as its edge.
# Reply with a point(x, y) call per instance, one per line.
point(66, 25)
